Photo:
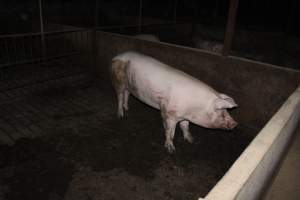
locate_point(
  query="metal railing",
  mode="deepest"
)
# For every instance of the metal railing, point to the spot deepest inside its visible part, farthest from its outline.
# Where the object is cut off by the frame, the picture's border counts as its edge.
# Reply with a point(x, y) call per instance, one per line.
point(26, 61)
point(28, 48)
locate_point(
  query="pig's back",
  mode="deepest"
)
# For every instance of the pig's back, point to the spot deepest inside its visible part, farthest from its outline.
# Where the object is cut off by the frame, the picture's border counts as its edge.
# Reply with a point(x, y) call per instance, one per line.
point(151, 81)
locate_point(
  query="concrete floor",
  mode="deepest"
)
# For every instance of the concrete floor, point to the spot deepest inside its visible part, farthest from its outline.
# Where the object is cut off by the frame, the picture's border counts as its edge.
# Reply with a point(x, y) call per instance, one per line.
point(286, 183)
point(67, 143)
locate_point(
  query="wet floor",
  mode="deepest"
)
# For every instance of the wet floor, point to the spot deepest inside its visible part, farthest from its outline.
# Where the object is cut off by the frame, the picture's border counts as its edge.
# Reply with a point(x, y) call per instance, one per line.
point(80, 150)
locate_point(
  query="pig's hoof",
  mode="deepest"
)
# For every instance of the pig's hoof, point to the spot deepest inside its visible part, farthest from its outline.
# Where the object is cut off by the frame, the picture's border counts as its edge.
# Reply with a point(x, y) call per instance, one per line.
point(190, 139)
point(170, 147)
point(120, 115)
point(126, 108)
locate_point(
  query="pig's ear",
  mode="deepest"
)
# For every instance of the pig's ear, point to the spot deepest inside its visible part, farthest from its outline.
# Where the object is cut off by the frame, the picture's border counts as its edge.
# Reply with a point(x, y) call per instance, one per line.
point(224, 102)
point(229, 99)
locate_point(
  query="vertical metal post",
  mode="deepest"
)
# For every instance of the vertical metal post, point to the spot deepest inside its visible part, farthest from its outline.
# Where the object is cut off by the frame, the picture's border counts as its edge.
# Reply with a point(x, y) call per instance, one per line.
point(94, 40)
point(216, 10)
point(291, 12)
point(96, 14)
point(175, 10)
point(230, 26)
point(42, 29)
point(7, 50)
point(140, 16)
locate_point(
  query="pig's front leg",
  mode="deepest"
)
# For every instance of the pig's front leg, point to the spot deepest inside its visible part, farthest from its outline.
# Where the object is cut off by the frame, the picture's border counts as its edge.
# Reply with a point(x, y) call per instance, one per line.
point(170, 126)
point(169, 122)
point(184, 125)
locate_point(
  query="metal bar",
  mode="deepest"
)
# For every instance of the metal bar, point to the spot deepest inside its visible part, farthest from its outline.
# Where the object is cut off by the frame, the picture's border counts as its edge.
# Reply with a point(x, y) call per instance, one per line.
point(1, 51)
point(7, 50)
point(38, 60)
point(45, 33)
point(87, 44)
point(133, 26)
point(70, 42)
point(14, 49)
point(2, 59)
point(289, 24)
point(230, 26)
point(96, 14)
point(216, 11)
point(37, 53)
point(65, 43)
point(90, 41)
point(1, 78)
point(140, 16)
point(81, 41)
point(94, 40)
point(23, 49)
point(30, 47)
point(42, 29)
point(77, 41)
point(45, 80)
point(175, 10)
point(73, 39)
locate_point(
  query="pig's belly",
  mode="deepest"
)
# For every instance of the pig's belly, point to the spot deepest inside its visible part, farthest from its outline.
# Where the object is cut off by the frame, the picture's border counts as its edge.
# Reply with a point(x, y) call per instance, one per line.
point(146, 93)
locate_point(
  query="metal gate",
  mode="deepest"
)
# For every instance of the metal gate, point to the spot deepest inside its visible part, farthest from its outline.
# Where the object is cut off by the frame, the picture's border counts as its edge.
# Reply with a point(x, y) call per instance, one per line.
point(33, 61)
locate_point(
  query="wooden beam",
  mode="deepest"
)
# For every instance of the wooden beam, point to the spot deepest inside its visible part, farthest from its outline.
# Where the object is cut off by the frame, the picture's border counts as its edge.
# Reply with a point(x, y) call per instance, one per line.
point(230, 26)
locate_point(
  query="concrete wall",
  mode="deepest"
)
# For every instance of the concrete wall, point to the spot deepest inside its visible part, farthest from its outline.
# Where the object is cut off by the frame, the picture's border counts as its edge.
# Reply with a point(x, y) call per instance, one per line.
point(260, 89)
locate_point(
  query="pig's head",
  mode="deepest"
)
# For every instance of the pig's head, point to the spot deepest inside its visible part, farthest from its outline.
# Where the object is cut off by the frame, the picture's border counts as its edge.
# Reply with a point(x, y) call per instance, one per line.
point(218, 114)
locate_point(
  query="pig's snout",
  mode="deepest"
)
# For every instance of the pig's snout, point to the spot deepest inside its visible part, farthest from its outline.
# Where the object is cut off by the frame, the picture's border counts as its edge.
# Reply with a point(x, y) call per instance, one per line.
point(231, 124)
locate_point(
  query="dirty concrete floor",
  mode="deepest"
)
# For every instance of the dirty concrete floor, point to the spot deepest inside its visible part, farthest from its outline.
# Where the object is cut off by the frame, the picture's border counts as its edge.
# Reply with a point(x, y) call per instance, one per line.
point(76, 148)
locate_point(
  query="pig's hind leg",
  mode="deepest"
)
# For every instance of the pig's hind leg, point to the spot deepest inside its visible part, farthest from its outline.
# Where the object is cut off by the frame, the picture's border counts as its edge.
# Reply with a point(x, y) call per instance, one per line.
point(126, 97)
point(120, 104)
point(184, 125)
point(118, 77)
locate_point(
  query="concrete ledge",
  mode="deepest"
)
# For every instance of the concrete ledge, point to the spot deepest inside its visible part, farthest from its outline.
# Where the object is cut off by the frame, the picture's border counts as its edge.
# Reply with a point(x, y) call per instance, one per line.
point(252, 170)
point(285, 182)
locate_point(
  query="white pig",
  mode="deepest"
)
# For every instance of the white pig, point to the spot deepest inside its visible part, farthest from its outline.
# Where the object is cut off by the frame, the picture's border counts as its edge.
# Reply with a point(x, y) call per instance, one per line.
point(180, 97)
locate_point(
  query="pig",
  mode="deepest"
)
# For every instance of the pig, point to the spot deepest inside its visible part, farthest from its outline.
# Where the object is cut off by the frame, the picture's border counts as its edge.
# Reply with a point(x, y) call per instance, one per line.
point(210, 45)
point(217, 47)
point(180, 97)
point(147, 37)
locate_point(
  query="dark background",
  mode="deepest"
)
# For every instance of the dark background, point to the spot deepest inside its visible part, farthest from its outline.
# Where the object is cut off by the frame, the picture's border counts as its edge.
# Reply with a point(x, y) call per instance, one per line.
point(23, 16)
point(266, 30)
